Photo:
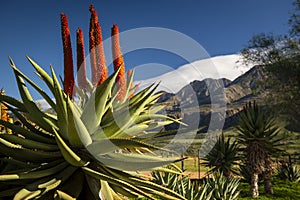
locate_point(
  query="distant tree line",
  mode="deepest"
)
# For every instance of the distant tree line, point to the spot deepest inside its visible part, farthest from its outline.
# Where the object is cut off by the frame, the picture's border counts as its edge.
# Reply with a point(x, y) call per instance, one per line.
point(280, 57)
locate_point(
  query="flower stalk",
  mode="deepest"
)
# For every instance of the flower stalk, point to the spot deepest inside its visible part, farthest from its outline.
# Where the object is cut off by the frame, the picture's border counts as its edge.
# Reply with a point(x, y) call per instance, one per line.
point(118, 62)
point(97, 57)
point(68, 82)
point(81, 62)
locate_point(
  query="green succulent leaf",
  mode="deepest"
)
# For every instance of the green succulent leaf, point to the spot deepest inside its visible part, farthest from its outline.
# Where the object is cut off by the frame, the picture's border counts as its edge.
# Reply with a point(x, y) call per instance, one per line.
point(69, 155)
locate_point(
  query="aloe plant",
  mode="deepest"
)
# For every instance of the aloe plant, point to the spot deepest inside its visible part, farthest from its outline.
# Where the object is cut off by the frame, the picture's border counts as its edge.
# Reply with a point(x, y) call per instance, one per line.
point(181, 184)
point(96, 139)
point(289, 171)
point(222, 187)
point(223, 157)
point(259, 135)
point(80, 143)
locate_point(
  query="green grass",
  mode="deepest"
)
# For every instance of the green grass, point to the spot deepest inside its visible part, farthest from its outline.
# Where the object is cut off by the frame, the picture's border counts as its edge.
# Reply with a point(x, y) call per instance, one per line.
point(283, 190)
point(191, 165)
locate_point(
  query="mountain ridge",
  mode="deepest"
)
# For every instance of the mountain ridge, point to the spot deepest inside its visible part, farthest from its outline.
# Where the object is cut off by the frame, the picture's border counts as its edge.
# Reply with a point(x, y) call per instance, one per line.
point(235, 93)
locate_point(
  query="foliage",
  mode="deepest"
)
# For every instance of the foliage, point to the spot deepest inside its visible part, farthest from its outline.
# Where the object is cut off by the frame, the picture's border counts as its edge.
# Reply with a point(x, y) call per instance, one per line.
point(280, 57)
point(258, 133)
point(218, 187)
point(223, 188)
point(182, 185)
point(223, 157)
point(52, 151)
point(245, 173)
point(289, 172)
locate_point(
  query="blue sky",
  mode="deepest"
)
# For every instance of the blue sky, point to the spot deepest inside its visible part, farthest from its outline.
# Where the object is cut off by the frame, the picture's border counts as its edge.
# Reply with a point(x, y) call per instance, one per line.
point(32, 27)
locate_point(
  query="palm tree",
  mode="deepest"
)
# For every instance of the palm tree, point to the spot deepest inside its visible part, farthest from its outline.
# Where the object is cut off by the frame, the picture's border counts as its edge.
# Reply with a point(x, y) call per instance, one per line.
point(223, 156)
point(258, 133)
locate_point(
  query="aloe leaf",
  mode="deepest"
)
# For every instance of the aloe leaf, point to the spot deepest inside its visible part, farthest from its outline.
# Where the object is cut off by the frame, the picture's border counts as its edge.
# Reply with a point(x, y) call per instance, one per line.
point(34, 112)
point(26, 133)
point(106, 191)
point(9, 192)
point(124, 192)
point(103, 146)
point(27, 143)
point(18, 163)
point(69, 155)
point(72, 189)
point(42, 186)
point(22, 154)
point(133, 162)
point(36, 87)
point(60, 195)
point(78, 135)
point(14, 102)
point(34, 174)
point(61, 104)
point(125, 119)
point(118, 182)
point(145, 185)
point(27, 124)
point(129, 83)
point(95, 107)
point(42, 74)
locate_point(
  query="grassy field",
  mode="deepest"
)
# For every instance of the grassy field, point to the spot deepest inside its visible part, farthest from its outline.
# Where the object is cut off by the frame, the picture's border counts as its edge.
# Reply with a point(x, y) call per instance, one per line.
point(283, 190)
point(191, 142)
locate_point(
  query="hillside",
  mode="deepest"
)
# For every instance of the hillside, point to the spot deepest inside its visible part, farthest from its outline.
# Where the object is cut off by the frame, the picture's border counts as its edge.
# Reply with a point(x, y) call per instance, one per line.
point(194, 100)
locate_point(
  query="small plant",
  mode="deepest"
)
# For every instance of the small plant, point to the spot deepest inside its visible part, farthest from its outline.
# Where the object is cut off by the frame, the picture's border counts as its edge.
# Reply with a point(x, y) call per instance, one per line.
point(181, 184)
point(289, 172)
point(223, 157)
point(223, 188)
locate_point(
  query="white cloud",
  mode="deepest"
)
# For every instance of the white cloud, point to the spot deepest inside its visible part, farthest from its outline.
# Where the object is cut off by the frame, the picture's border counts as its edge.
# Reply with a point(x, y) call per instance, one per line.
point(215, 67)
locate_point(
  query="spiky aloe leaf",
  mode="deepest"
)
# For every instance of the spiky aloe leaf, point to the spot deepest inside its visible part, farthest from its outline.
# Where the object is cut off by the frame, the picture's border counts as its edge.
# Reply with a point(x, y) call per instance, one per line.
point(36, 87)
point(61, 106)
point(14, 102)
point(95, 107)
point(134, 162)
point(41, 186)
point(34, 112)
point(18, 152)
point(78, 134)
point(69, 155)
point(27, 143)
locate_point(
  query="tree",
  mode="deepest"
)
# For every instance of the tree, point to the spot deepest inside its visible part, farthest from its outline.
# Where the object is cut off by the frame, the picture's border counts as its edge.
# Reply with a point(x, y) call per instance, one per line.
point(258, 134)
point(280, 58)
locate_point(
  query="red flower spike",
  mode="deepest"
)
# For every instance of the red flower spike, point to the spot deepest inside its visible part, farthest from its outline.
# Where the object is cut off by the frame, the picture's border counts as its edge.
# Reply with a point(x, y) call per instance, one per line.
point(92, 49)
point(100, 58)
point(98, 62)
point(81, 63)
point(118, 61)
point(68, 82)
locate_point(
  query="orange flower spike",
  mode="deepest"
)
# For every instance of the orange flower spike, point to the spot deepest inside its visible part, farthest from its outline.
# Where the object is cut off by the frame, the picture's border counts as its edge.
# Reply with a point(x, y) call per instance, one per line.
point(95, 74)
point(81, 63)
point(98, 62)
point(118, 61)
point(100, 57)
point(68, 82)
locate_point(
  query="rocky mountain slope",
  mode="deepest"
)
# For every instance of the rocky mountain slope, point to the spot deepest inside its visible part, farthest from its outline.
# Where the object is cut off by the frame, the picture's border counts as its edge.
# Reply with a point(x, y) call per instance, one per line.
point(195, 100)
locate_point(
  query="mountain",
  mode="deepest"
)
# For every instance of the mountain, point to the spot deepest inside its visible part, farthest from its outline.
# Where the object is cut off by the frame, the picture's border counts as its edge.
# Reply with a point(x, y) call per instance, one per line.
point(194, 100)
point(226, 66)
